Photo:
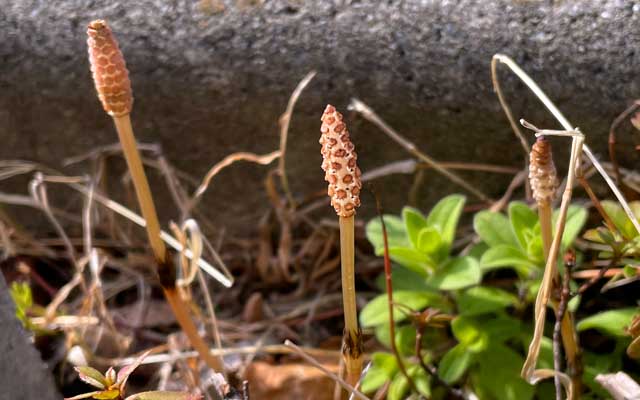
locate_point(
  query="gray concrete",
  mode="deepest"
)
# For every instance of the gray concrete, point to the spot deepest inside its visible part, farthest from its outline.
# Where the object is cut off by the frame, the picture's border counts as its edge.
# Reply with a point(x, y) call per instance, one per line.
point(23, 375)
point(208, 83)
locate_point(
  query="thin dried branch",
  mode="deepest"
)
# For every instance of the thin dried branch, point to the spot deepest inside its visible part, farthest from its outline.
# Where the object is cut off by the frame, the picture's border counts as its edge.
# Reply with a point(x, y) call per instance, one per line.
point(529, 371)
point(612, 139)
point(565, 295)
point(349, 388)
point(371, 116)
point(507, 110)
point(285, 120)
point(228, 160)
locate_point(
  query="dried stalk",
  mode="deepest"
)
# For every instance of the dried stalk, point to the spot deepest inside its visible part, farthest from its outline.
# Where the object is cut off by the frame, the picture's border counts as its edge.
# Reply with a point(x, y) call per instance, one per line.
point(544, 183)
point(612, 140)
point(529, 371)
point(371, 116)
point(509, 114)
point(228, 160)
point(560, 314)
point(284, 121)
point(596, 203)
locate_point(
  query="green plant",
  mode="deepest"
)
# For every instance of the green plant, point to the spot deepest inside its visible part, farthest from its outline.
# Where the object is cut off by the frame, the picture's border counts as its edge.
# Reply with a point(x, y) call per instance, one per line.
point(112, 385)
point(622, 241)
point(423, 245)
point(433, 286)
point(23, 299)
point(620, 248)
point(514, 240)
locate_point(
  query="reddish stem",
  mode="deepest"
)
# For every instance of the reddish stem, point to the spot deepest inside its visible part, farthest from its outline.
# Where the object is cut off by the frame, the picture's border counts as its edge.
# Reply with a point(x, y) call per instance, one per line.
point(389, 285)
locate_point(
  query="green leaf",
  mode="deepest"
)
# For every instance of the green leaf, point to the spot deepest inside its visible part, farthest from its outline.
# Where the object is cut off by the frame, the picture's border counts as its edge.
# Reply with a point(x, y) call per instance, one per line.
point(92, 376)
point(457, 273)
point(412, 259)
point(498, 375)
point(454, 363)
point(382, 334)
point(522, 219)
point(396, 234)
point(430, 242)
point(445, 215)
point(595, 364)
point(593, 235)
point(619, 217)
point(574, 303)
point(421, 379)
point(629, 271)
point(494, 229)
point(376, 312)
point(414, 222)
point(398, 388)
point(612, 323)
point(545, 358)
point(535, 250)
point(576, 217)
point(23, 299)
point(501, 328)
point(406, 340)
point(503, 256)
point(383, 368)
point(164, 395)
point(403, 279)
point(470, 334)
point(484, 299)
point(478, 250)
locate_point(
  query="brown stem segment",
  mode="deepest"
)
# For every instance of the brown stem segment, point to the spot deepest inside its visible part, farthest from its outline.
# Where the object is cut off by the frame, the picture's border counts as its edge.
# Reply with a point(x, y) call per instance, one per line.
point(352, 341)
point(165, 270)
point(181, 312)
point(141, 185)
point(546, 229)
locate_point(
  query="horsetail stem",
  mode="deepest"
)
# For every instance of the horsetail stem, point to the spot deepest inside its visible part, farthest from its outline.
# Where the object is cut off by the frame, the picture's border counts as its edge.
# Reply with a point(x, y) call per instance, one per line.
point(544, 184)
point(112, 83)
point(343, 175)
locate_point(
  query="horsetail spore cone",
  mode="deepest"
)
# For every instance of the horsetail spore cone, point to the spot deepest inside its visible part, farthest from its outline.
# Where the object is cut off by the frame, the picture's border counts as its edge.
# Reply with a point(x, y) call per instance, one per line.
point(112, 83)
point(343, 175)
point(542, 171)
point(544, 183)
point(109, 70)
point(339, 162)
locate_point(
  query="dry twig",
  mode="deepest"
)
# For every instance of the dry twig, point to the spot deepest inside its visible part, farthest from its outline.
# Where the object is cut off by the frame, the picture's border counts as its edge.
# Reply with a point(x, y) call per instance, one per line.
point(371, 116)
point(284, 121)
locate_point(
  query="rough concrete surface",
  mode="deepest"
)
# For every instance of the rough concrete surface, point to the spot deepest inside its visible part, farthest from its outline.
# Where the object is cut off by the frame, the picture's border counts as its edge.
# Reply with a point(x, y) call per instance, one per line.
point(23, 375)
point(212, 77)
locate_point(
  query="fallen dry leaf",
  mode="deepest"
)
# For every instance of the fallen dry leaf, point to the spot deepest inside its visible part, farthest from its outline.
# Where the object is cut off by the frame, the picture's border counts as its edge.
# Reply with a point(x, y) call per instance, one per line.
point(296, 381)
